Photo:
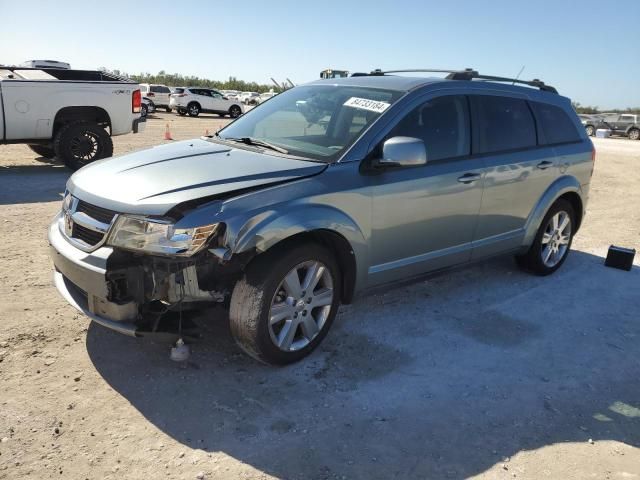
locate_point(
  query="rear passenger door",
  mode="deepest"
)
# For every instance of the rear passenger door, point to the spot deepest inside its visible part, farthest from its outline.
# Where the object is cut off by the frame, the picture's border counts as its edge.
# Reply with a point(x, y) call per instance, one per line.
point(218, 103)
point(518, 171)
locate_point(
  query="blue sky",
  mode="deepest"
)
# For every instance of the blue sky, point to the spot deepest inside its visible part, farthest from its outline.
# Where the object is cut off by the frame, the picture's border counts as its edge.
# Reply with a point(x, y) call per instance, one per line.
point(589, 49)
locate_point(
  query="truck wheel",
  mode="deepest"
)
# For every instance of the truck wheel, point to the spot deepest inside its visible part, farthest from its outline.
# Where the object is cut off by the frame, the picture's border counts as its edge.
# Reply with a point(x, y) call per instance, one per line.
point(193, 109)
point(634, 134)
point(78, 144)
point(235, 111)
point(590, 130)
point(144, 110)
point(43, 150)
point(285, 304)
point(553, 240)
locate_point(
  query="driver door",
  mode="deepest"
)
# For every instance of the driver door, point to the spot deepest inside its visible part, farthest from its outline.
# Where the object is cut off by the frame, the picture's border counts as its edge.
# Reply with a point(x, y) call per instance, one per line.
point(424, 217)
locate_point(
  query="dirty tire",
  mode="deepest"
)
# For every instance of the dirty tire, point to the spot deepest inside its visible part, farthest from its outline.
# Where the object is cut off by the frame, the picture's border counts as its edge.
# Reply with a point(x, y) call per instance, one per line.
point(78, 144)
point(634, 134)
point(253, 294)
point(532, 260)
point(43, 150)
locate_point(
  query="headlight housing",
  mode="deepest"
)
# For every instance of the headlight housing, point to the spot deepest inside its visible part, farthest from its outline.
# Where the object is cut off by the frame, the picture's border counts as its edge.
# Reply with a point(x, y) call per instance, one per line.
point(159, 236)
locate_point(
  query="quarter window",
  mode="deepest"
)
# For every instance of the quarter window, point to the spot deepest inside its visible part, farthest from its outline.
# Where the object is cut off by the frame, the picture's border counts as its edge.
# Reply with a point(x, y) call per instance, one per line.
point(555, 125)
point(443, 125)
point(501, 124)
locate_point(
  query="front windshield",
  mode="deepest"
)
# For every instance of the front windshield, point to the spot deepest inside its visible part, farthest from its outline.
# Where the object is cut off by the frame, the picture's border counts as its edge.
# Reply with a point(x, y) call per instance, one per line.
point(314, 121)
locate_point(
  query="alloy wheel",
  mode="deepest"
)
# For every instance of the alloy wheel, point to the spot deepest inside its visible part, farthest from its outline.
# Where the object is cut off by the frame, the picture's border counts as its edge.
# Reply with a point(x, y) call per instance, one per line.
point(301, 306)
point(555, 239)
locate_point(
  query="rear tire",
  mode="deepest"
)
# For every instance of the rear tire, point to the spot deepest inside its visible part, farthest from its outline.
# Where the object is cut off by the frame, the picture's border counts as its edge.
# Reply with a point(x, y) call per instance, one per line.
point(553, 241)
point(634, 134)
point(267, 291)
point(78, 144)
point(43, 150)
point(144, 111)
point(193, 109)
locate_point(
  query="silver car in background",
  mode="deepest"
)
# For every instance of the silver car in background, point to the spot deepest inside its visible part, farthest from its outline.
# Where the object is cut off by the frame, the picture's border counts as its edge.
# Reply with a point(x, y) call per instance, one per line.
point(325, 190)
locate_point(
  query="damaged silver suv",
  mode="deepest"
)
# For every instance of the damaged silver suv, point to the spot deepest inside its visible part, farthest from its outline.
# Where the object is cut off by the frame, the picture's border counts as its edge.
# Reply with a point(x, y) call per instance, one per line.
point(323, 191)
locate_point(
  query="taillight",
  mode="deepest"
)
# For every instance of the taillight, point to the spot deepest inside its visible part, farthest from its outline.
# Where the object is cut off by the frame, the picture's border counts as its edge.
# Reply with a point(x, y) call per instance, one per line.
point(136, 101)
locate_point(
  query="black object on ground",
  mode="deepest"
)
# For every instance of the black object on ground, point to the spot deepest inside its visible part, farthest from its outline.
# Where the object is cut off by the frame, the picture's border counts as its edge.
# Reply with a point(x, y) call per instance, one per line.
point(619, 257)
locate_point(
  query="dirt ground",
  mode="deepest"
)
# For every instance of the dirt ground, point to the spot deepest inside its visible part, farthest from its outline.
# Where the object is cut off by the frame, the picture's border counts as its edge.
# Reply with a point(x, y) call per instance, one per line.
point(481, 372)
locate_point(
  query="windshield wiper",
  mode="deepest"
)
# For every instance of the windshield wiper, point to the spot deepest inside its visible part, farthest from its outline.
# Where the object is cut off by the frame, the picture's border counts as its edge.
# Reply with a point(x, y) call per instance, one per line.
point(256, 142)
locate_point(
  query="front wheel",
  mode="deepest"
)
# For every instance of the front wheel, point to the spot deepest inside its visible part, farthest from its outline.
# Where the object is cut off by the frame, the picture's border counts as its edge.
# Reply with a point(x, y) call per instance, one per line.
point(193, 109)
point(78, 144)
point(285, 304)
point(552, 242)
point(235, 111)
point(634, 134)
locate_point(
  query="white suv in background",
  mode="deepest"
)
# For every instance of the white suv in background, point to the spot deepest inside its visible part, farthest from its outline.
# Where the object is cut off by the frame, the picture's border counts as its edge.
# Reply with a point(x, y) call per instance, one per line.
point(158, 94)
point(194, 100)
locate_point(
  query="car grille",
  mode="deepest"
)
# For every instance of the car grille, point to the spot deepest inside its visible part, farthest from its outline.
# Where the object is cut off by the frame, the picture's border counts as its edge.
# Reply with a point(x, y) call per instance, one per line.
point(101, 214)
point(86, 235)
point(85, 224)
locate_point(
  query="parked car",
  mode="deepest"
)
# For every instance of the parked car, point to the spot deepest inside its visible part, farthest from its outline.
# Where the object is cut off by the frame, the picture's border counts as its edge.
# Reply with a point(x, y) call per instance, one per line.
point(147, 107)
point(624, 124)
point(322, 192)
point(196, 100)
point(264, 97)
point(248, 98)
point(68, 114)
point(158, 94)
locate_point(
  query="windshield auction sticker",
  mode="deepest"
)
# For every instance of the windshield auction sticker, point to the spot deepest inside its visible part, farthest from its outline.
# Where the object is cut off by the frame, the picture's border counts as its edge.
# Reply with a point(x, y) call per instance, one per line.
point(364, 104)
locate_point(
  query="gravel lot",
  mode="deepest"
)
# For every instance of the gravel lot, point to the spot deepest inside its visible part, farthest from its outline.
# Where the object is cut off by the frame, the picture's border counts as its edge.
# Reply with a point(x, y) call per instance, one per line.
point(481, 372)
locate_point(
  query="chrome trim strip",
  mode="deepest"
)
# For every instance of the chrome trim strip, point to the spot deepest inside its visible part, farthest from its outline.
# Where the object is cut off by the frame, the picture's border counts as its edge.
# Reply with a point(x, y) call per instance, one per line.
point(82, 219)
point(71, 215)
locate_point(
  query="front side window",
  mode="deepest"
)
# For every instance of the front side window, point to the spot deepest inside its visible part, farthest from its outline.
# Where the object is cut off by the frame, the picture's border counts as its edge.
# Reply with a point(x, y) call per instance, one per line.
point(555, 125)
point(501, 124)
point(442, 123)
point(315, 121)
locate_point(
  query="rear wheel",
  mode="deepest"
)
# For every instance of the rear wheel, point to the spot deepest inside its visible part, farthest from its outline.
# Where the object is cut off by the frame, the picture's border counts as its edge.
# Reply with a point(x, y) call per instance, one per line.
point(193, 109)
point(144, 111)
point(78, 144)
point(235, 111)
point(552, 242)
point(634, 134)
point(285, 304)
point(43, 150)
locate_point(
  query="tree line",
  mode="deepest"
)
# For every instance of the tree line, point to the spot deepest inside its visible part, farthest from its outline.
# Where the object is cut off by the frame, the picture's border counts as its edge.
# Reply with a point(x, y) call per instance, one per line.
point(178, 80)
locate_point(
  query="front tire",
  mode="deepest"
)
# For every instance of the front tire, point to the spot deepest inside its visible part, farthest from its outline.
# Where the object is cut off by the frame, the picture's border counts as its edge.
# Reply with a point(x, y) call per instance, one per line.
point(235, 111)
point(193, 109)
point(552, 243)
point(43, 150)
point(285, 304)
point(634, 134)
point(78, 144)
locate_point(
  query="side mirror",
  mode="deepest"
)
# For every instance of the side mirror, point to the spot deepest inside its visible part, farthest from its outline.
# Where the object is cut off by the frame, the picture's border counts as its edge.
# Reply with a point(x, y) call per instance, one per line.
point(403, 152)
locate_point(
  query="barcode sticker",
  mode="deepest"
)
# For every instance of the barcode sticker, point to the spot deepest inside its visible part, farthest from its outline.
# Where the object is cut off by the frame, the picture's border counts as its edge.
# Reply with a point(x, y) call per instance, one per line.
point(365, 104)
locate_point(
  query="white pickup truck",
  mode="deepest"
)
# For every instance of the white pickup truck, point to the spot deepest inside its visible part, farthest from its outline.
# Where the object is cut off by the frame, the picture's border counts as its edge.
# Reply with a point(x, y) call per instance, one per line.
point(68, 114)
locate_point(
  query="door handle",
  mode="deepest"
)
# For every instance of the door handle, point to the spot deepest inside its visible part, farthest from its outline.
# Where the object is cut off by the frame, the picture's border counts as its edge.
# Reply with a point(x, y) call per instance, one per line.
point(544, 165)
point(469, 177)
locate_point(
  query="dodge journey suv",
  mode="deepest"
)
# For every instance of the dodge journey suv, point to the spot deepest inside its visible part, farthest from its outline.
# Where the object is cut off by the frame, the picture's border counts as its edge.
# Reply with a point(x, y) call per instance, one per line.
point(327, 189)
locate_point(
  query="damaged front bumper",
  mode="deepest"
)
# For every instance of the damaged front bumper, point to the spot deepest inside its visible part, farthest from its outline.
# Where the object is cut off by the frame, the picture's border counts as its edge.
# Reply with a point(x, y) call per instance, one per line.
point(122, 291)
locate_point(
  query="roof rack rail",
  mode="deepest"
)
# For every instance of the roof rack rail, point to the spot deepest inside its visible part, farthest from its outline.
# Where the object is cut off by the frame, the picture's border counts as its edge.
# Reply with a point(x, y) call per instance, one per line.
point(466, 74)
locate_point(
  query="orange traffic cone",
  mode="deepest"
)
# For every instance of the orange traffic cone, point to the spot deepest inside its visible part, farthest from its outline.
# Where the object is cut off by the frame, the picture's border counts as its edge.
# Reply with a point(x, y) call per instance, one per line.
point(167, 133)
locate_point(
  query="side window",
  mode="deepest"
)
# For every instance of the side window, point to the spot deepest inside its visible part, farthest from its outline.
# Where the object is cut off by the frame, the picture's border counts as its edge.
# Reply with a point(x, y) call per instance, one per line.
point(501, 123)
point(155, 89)
point(164, 90)
point(555, 125)
point(627, 118)
point(442, 123)
point(143, 89)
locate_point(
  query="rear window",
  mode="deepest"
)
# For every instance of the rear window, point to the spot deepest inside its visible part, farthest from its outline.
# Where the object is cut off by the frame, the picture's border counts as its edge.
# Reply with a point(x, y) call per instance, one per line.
point(159, 89)
point(555, 125)
point(179, 90)
point(502, 124)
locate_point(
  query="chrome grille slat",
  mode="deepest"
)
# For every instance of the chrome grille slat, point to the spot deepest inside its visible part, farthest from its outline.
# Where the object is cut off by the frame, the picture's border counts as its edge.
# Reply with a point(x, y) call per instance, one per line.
point(85, 225)
point(98, 213)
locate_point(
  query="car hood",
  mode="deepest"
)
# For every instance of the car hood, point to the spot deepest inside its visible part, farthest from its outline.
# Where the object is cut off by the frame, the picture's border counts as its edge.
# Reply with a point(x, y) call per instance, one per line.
point(152, 181)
